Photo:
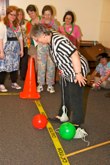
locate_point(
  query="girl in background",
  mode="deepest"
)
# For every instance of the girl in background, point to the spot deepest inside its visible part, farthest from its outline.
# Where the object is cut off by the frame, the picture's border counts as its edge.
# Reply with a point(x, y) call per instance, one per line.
point(34, 19)
point(47, 18)
point(70, 29)
point(46, 67)
point(24, 60)
point(11, 48)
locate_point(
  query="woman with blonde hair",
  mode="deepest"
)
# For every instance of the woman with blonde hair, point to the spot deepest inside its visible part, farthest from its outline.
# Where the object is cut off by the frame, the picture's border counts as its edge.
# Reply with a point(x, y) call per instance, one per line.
point(24, 60)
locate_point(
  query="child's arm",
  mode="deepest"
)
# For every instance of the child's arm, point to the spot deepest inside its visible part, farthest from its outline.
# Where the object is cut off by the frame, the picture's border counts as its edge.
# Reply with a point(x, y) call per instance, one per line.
point(97, 85)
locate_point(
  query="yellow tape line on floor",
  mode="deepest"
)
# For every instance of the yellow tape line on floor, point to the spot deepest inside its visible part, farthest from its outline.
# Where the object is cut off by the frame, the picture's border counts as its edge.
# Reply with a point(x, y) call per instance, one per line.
point(8, 94)
point(54, 137)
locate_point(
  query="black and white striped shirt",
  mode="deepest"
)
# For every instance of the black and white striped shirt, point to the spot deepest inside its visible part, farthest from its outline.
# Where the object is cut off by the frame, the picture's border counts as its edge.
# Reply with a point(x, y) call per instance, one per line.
point(61, 50)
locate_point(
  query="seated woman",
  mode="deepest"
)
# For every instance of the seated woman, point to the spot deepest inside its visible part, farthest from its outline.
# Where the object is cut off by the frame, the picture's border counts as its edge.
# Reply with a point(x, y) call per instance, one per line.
point(103, 70)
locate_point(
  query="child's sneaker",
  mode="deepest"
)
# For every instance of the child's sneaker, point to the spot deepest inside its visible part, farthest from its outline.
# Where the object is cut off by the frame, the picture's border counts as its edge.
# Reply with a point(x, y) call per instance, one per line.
point(40, 88)
point(2, 88)
point(80, 133)
point(51, 89)
point(15, 85)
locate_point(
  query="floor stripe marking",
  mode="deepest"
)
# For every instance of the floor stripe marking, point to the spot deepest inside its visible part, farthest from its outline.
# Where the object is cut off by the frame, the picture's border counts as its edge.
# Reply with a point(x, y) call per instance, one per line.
point(8, 94)
point(87, 149)
point(54, 137)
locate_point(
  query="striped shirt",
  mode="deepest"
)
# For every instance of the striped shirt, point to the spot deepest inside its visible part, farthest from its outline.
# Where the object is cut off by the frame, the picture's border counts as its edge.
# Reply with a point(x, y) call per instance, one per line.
point(61, 50)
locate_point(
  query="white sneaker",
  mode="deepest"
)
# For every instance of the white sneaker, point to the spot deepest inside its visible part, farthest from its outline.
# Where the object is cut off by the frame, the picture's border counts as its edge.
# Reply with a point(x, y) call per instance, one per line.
point(80, 134)
point(3, 89)
point(40, 88)
point(15, 85)
point(51, 89)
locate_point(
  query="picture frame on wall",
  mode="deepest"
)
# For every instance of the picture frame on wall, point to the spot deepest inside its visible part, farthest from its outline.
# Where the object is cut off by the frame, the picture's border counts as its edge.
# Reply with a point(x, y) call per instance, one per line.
point(3, 6)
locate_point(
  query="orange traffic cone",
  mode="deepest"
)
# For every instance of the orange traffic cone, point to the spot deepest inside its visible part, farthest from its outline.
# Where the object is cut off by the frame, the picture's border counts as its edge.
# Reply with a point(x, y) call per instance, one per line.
point(30, 89)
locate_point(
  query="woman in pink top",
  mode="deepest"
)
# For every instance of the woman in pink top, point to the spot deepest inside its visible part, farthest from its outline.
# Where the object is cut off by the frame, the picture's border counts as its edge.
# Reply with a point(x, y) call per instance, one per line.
point(71, 30)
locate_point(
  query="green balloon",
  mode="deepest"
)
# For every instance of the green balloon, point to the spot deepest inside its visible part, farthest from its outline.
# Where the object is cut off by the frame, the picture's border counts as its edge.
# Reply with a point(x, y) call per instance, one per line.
point(67, 131)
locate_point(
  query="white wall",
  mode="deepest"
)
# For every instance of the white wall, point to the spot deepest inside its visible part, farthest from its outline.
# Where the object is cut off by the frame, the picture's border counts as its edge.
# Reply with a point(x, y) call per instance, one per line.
point(88, 13)
point(105, 24)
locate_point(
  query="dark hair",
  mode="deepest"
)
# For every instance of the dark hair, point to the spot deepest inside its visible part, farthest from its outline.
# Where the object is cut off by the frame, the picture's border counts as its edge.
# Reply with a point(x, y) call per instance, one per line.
point(47, 7)
point(69, 13)
point(102, 55)
point(31, 8)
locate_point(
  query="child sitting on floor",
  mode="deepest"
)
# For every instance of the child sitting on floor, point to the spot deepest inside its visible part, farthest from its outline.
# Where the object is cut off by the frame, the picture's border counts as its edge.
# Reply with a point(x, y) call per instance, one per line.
point(103, 70)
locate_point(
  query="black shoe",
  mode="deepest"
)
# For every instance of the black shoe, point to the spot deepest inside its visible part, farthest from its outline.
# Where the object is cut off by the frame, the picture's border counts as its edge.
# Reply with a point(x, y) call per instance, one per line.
point(55, 120)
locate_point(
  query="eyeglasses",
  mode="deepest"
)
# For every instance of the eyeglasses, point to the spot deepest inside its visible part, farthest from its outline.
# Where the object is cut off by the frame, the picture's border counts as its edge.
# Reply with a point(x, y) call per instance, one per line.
point(13, 14)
